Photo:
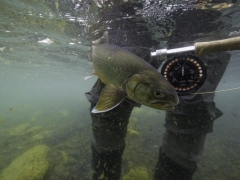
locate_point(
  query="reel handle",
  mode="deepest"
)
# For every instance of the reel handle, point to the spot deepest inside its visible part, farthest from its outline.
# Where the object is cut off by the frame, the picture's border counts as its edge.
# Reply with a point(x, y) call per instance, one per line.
point(217, 46)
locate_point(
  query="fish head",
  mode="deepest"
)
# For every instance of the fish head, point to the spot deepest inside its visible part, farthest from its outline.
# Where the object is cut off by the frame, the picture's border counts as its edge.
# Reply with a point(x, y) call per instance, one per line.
point(152, 90)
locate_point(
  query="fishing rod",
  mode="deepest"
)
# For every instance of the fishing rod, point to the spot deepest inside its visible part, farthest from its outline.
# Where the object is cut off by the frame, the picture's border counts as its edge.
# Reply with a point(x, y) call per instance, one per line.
point(201, 48)
point(187, 73)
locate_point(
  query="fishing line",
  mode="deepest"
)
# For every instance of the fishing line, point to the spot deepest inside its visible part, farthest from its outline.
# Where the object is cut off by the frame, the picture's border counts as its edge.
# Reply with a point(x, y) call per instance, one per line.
point(210, 92)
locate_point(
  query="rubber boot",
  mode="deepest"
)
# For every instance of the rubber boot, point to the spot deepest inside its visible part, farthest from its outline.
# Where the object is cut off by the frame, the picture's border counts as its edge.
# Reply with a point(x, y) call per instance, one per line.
point(107, 165)
point(167, 169)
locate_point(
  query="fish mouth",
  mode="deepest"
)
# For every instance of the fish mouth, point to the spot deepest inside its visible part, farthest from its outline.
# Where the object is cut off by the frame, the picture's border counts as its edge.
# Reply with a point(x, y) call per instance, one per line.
point(164, 105)
point(159, 102)
point(172, 102)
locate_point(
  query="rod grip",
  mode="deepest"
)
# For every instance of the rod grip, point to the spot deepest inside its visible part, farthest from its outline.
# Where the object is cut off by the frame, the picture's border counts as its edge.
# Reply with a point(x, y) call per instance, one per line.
point(217, 46)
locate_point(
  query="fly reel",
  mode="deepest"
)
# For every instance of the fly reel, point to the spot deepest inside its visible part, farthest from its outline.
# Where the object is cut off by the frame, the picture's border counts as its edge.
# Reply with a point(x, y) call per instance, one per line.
point(186, 73)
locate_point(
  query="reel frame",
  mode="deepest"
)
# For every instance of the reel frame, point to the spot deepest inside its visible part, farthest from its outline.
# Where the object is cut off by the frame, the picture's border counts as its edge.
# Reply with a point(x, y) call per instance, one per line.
point(187, 73)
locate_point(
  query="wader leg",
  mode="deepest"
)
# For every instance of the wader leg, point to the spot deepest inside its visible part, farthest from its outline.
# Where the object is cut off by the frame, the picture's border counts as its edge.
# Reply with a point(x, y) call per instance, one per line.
point(179, 155)
point(109, 132)
point(167, 169)
point(107, 165)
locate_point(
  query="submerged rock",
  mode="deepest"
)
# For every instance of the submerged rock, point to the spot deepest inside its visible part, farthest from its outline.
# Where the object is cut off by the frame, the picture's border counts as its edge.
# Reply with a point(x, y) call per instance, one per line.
point(24, 129)
point(19, 130)
point(31, 165)
point(37, 137)
point(132, 122)
point(64, 156)
point(137, 173)
point(132, 133)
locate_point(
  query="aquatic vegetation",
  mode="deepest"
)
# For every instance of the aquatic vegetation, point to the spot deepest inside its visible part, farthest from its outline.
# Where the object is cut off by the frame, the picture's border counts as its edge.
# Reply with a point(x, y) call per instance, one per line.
point(137, 173)
point(31, 165)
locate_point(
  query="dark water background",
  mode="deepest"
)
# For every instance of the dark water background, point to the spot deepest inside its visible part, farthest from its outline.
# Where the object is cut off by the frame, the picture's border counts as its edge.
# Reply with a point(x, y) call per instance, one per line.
point(42, 91)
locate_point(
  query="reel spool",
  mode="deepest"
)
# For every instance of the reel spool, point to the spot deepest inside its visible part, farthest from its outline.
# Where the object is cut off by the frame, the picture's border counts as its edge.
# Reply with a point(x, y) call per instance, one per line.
point(186, 73)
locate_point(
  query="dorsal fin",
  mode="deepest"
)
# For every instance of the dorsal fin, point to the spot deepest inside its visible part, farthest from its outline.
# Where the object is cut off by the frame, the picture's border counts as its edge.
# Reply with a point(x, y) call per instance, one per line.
point(103, 39)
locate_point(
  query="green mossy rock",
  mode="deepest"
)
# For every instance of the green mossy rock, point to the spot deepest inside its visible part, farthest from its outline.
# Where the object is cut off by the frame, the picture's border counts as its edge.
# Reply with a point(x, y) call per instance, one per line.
point(137, 173)
point(31, 165)
point(132, 133)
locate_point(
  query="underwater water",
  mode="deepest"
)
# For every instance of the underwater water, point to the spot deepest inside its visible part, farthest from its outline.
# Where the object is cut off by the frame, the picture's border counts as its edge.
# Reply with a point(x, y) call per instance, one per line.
point(43, 61)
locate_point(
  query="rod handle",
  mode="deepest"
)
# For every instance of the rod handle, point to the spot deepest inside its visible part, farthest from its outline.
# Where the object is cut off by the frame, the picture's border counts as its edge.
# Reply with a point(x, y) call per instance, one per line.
point(217, 46)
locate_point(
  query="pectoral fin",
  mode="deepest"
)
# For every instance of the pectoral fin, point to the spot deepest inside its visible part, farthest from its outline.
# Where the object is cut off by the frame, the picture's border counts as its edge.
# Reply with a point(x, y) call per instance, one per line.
point(109, 99)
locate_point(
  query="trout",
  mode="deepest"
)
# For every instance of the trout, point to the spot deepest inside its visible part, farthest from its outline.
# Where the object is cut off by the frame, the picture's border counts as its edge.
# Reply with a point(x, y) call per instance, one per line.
point(128, 76)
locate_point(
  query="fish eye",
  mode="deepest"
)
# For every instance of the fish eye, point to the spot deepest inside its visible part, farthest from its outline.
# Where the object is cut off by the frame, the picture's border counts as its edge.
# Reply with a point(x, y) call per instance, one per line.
point(158, 93)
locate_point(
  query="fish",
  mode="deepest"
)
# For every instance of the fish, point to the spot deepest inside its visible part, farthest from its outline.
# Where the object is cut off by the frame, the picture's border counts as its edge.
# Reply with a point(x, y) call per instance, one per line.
point(126, 75)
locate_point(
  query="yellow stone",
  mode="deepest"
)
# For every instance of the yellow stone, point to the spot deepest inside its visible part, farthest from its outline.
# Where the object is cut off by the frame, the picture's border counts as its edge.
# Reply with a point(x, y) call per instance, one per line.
point(19, 130)
point(64, 156)
point(137, 173)
point(132, 122)
point(1, 120)
point(31, 165)
point(33, 130)
point(133, 133)
point(64, 112)
point(37, 137)
point(24, 129)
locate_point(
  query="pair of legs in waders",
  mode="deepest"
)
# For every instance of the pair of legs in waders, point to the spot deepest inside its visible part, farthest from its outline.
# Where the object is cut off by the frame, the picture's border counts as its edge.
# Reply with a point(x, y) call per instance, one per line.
point(109, 132)
point(183, 140)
